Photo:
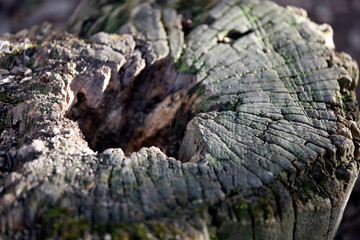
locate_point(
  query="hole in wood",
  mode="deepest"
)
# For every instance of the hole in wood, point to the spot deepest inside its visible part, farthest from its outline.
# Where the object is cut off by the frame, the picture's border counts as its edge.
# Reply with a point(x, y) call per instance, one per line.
point(141, 113)
point(233, 35)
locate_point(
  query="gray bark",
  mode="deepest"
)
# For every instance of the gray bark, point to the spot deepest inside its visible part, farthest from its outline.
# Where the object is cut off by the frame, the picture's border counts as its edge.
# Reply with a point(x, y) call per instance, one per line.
point(251, 111)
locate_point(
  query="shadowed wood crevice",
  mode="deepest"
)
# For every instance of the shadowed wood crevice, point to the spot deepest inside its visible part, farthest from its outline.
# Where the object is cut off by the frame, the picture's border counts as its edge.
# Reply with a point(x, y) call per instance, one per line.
point(144, 115)
point(262, 107)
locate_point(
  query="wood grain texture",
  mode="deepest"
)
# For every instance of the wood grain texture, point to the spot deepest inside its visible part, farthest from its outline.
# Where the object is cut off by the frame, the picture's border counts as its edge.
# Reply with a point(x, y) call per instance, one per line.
point(250, 100)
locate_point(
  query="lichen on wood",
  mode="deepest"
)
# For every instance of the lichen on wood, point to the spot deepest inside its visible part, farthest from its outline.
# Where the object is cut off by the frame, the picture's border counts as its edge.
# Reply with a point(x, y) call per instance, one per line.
point(242, 124)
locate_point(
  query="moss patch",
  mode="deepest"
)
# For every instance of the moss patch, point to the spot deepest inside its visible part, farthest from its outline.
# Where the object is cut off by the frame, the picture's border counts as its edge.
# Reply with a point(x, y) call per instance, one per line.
point(7, 98)
point(62, 223)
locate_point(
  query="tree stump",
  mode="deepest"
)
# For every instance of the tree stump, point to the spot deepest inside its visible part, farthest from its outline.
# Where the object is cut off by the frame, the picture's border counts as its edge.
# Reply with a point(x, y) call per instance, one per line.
point(210, 120)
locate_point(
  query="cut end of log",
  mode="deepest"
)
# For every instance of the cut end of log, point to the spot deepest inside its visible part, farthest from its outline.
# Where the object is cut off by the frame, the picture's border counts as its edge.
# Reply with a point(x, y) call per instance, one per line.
point(251, 98)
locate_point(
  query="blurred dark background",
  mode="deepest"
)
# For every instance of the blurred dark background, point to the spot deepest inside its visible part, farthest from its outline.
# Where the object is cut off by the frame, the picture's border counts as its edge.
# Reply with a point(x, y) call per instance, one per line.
point(19, 14)
point(342, 15)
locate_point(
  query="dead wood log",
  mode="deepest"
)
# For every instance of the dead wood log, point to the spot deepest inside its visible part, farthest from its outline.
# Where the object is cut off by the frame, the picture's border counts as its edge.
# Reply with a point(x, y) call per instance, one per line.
point(251, 111)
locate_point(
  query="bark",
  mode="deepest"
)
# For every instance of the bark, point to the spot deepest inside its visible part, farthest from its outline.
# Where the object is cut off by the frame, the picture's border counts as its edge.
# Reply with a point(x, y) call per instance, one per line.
point(237, 122)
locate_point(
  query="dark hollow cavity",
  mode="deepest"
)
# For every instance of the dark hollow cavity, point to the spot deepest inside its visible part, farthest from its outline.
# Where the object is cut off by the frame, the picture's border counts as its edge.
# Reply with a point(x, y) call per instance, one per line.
point(147, 112)
point(234, 35)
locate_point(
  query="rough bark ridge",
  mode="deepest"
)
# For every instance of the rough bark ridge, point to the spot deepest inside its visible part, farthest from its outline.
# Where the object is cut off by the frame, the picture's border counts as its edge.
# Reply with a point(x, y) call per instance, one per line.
point(249, 96)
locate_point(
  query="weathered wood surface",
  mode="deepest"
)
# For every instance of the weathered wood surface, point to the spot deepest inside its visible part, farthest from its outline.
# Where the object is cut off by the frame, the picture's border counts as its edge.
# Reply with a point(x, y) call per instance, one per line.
point(252, 99)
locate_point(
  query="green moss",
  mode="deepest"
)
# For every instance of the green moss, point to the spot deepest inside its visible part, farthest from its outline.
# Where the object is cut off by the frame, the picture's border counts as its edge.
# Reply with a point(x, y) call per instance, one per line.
point(62, 223)
point(24, 116)
point(183, 67)
point(306, 192)
point(160, 230)
point(124, 231)
point(283, 177)
point(318, 198)
point(55, 99)
point(243, 207)
point(41, 88)
point(66, 82)
point(346, 96)
point(165, 231)
point(28, 125)
point(263, 207)
point(140, 232)
point(7, 98)
point(234, 192)
point(233, 104)
point(119, 234)
point(338, 98)
point(213, 233)
point(119, 16)
point(7, 61)
point(31, 64)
